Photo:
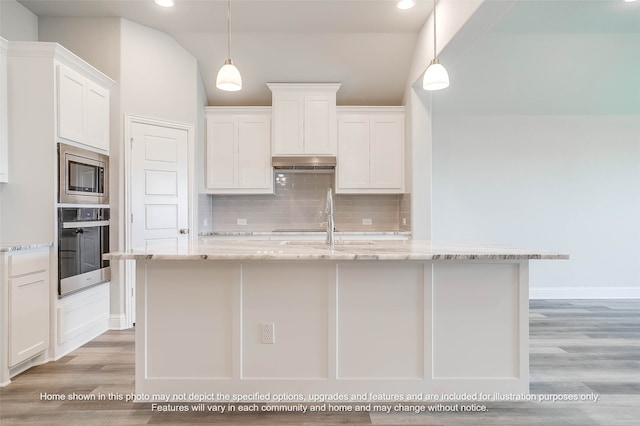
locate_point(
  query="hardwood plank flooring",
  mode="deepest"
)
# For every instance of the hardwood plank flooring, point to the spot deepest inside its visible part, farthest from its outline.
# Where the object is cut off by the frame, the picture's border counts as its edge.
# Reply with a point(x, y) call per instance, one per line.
point(577, 347)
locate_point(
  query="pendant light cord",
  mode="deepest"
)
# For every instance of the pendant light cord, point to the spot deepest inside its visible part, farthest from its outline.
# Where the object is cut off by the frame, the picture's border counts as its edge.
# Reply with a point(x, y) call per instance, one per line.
point(229, 29)
point(435, 54)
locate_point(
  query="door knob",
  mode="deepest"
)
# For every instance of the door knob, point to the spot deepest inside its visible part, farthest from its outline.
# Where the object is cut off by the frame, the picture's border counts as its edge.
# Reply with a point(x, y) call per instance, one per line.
point(184, 231)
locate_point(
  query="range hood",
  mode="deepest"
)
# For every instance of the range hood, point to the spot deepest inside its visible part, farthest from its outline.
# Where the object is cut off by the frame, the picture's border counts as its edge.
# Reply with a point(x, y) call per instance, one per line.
point(316, 163)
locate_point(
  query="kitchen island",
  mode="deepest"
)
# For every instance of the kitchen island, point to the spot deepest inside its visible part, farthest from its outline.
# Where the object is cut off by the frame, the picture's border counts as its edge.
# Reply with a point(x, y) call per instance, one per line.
point(300, 318)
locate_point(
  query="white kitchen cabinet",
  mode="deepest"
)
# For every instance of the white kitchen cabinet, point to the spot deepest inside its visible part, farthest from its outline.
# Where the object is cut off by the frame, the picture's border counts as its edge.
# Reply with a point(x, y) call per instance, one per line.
point(238, 159)
point(4, 161)
point(83, 109)
point(370, 150)
point(97, 134)
point(304, 118)
point(25, 298)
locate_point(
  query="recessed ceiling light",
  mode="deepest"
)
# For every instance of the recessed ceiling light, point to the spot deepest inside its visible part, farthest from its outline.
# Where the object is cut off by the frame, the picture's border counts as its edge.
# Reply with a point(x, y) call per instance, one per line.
point(405, 4)
point(164, 3)
point(629, 1)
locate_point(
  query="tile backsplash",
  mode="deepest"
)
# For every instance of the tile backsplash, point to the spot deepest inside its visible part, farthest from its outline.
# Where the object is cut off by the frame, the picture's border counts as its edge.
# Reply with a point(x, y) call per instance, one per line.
point(298, 204)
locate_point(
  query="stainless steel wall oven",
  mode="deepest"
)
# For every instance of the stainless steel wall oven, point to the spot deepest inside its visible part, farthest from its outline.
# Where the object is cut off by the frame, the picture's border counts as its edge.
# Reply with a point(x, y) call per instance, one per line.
point(83, 237)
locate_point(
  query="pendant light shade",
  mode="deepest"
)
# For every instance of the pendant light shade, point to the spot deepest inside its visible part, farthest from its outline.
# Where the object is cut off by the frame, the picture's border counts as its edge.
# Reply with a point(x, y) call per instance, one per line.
point(405, 4)
point(164, 3)
point(436, 76)
point(229, 78)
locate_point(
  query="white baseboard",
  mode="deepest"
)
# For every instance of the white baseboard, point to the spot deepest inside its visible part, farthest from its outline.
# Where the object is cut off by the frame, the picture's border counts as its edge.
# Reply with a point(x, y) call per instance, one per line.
point(117, 322)
point(584, 293)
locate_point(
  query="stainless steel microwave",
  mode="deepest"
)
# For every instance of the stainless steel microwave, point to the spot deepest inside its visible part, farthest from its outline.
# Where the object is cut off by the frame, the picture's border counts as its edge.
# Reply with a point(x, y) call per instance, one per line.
point(84, 176)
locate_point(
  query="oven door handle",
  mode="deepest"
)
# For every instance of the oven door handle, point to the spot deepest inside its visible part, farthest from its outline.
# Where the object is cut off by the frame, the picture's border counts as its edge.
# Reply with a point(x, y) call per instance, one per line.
point(70, 225)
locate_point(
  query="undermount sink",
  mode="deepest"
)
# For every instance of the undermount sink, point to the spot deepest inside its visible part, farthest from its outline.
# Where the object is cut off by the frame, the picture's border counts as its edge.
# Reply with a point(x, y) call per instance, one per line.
point(322, 243)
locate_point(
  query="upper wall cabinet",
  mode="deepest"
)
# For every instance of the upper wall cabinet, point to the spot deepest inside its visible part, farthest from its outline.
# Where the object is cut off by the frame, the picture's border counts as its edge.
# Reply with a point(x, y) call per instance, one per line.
point(4, 160)
point(58, 97)
point(304, 118)
point(238, 158)
point(83, 109)
point(370, 150)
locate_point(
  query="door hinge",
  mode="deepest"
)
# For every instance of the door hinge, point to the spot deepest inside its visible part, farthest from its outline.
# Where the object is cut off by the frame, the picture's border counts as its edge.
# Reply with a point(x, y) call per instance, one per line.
point(131, 143)
point(131, 217)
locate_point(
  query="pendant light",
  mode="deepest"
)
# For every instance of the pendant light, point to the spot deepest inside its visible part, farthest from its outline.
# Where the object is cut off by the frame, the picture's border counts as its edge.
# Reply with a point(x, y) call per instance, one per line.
point(229, 78)
point(436, 76)
point(164, 3)
point(405, 4)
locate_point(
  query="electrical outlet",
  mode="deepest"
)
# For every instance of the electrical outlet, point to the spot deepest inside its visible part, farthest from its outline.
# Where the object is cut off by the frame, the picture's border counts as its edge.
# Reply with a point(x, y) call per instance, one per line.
point(404, 221)
point(367, 221)
point(205, 222)
point(241, 221)
point(268, 334)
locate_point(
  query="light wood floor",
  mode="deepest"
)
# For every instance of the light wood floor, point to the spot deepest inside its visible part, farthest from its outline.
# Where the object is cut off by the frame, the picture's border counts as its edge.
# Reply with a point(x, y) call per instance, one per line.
point(577, 347)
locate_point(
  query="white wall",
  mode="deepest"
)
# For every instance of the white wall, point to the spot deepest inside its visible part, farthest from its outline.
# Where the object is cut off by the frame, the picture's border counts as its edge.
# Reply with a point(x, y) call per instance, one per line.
point(17, 23)
point(96, 40)
point(159, 77)
point(203, 201)
point(461, 22)
point(560, 183)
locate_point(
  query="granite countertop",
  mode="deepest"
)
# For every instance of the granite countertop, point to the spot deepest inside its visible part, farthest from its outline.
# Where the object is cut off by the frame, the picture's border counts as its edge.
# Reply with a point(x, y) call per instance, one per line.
point(301, 232)
point(17, 246)
point(216, 249)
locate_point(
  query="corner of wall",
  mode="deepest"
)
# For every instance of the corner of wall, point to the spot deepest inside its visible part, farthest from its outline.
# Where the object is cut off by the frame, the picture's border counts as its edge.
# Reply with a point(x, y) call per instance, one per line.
point(17, 23)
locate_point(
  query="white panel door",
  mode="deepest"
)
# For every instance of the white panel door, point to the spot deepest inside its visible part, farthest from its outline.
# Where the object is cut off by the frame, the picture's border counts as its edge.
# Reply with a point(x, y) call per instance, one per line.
point(353, 152)
point(159, 186)
point(71, 105)
point(387, 152)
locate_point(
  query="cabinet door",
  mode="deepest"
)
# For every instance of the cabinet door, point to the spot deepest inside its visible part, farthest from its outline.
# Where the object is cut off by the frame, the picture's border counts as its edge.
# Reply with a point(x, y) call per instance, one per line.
point(387, 152)
point(288, 125)
point(4, 152)
point(222, 159)
point(29, 316)
point(319, 124)
point(353, 152)
point(71, 104)
point(254, 152)
point(97, 117)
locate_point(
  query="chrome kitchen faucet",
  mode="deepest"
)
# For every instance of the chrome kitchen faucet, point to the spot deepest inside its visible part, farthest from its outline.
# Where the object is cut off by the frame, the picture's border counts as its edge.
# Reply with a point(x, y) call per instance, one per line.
point(328, 209)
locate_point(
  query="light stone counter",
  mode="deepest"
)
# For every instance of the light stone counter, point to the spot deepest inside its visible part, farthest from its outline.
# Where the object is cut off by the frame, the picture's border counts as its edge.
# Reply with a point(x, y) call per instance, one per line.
point(215, 249)
point(17, 246)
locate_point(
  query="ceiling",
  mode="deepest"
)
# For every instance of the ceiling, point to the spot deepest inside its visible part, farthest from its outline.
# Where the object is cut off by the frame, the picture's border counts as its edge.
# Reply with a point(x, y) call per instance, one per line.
point(578, 57)
point(541, 57)
point(363, 44)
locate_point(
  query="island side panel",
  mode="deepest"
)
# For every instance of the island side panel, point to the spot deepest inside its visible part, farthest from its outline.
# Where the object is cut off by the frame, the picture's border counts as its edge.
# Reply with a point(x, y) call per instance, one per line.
point(480, 326)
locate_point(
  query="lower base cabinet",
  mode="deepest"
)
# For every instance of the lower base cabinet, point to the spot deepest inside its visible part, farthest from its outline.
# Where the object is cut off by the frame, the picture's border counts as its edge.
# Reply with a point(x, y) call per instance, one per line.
point(26, 298)
point(29, 319)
